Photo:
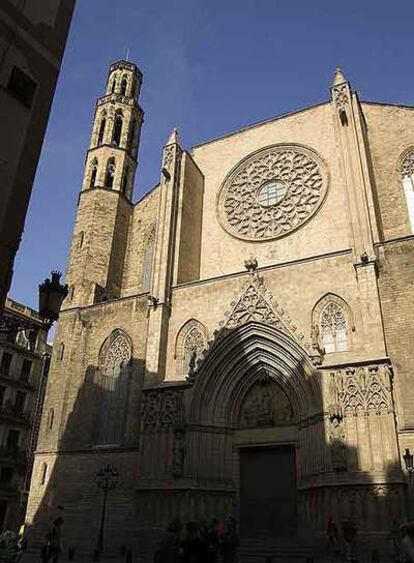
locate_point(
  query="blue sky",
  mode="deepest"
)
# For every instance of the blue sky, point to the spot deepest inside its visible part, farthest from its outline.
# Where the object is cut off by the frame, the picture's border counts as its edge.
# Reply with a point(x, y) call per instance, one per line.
point(210, 67)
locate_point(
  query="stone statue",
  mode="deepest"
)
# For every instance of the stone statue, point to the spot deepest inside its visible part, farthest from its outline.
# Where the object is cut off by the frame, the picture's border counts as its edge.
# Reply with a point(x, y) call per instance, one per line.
point(178, 453)
point(337, 441)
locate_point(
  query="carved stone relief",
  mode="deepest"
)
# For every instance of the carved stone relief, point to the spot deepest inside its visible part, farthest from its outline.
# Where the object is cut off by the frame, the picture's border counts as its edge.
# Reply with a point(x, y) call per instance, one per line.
point(297, 183)
point(178, 452)
point(162, 409)
point(364, 388)
point(337, 440)
point(266, 404)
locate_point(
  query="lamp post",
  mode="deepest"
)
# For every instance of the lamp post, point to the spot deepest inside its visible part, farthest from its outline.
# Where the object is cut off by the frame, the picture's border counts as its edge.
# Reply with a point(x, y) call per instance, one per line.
point(51, 296)
point(107, 479)
point(408, 458)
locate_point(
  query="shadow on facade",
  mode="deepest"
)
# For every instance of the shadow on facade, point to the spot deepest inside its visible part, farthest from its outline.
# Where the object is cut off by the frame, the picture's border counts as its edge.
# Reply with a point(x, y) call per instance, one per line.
point(220, 444)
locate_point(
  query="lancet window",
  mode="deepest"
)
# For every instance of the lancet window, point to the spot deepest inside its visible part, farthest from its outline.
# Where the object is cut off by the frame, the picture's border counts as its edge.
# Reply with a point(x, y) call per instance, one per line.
point(190, 344)
point(110, 173)
point(333, 328)
point(94, 172)
point(102, 130)
point(113, 382)
point(116, 136)
point(407, 175)
point(124, 84)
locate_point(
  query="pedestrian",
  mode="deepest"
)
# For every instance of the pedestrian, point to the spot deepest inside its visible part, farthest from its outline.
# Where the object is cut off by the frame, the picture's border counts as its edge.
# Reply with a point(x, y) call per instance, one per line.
point(229, 541)
point(54, 545)
point(332, 538)
point(195, 549)
point(169, 548)
point(213, 541)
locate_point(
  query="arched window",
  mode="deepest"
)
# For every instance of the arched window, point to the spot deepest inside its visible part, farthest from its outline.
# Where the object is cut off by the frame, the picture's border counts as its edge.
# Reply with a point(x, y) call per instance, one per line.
point(116, 136)
point(125, 180)
point(149, 245)
point(102, 129)
point(114, 376)
point(124, 84)
point(110, 173)
point(43, 474)
point(61, 352)
point(190, 344)
point(407, 174)
point(113, 85)
point(333, 328)
point(94, 171)
point(50, 418)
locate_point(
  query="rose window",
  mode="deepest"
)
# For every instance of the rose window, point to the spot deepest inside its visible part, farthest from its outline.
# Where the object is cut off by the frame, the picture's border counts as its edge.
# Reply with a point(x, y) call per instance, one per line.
point(272, 193)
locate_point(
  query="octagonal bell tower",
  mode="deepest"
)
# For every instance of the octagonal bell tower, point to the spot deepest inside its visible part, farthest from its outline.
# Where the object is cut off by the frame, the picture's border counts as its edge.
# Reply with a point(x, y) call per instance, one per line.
point(104, 210)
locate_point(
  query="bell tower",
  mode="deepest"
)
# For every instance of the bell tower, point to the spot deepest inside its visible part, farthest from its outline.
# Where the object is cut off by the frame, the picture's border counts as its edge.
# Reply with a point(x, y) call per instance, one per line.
point(104, 208)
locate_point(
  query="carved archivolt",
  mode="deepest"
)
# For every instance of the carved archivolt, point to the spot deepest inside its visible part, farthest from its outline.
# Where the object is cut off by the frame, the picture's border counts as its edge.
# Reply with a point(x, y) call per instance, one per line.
point(361, 390)
point(162, 409)
point(296, 181)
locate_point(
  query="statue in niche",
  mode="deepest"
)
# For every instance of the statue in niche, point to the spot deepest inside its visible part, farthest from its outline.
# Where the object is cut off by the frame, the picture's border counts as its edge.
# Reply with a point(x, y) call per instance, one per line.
point(178, 452)
point(337, 443)
point(266, 404)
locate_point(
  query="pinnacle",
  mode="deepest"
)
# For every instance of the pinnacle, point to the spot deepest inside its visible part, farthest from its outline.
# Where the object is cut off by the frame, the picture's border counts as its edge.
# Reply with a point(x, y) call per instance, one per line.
point(174, 137)
point(339, 77)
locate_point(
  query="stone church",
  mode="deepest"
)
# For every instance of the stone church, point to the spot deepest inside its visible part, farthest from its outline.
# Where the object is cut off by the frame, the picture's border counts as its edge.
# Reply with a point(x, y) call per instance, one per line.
point(241, 340)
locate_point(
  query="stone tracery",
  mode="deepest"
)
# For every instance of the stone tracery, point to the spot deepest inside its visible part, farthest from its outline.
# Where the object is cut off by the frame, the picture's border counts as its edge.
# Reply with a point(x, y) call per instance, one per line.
point(303, 176)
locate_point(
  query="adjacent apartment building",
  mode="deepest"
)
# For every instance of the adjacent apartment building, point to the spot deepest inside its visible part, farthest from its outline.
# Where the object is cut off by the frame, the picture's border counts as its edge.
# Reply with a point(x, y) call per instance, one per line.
point(33, 36)
point(24, 364)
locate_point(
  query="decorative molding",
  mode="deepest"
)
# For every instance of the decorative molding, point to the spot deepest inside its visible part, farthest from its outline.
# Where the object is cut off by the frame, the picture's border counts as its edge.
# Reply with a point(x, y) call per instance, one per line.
point(256, 303)
point(361, 390)
point(305, 180)
point(341, 95)
point(162, 409)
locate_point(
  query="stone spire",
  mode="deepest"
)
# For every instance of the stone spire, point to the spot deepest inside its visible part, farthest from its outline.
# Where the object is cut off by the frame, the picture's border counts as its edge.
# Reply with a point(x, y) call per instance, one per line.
point(174, 138)
point(339, 77)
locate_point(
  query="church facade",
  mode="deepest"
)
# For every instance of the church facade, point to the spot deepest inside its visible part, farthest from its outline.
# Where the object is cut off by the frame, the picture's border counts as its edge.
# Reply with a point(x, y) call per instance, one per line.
point(240, 341)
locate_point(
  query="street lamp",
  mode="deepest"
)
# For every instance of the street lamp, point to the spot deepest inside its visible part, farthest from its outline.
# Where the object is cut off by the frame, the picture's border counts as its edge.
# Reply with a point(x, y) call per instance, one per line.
point(51, 295)
point(107, 479)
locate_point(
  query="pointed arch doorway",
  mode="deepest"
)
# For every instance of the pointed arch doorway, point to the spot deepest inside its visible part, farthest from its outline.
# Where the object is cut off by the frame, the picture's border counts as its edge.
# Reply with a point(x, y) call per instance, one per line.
point(259, 385)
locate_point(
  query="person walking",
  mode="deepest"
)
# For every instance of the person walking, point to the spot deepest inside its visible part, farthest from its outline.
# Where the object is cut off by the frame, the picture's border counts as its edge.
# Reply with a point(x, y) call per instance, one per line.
point(169, 549)
point(54, 545)
point(229, 541)
point(195, 549)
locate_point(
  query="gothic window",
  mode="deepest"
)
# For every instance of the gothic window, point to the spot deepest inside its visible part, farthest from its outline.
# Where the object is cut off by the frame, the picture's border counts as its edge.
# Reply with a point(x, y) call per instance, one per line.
point(94, 171)
point(124, 84)
point(333, 328)
point(148, 258)
point(407, 174)
point(190, 344)
point(116, 137)
point(110, 173)
point(113, 85)
point(114, 375)
point(102, 129)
